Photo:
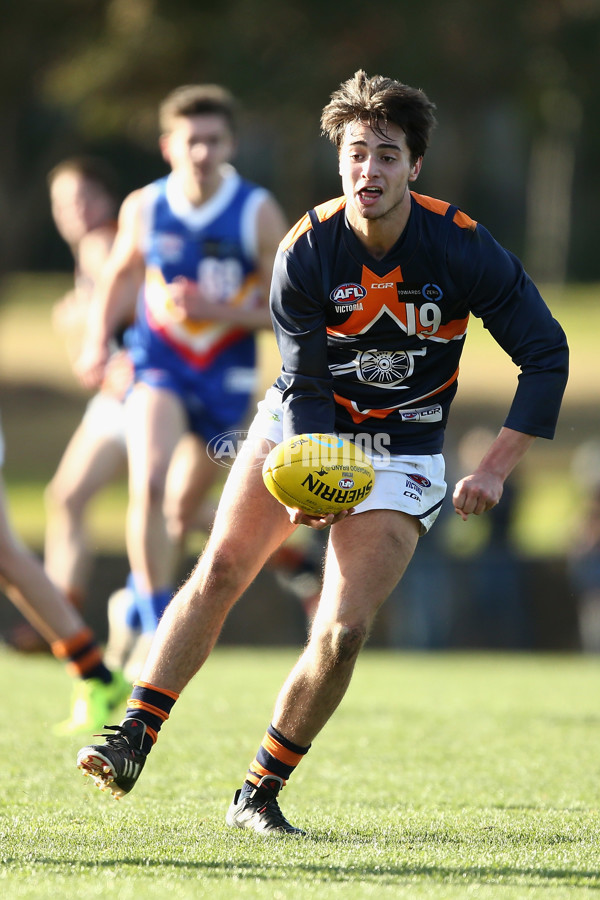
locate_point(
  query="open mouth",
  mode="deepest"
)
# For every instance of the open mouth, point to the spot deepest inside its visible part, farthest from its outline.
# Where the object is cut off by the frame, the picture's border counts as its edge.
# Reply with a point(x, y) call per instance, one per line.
point(369, 194)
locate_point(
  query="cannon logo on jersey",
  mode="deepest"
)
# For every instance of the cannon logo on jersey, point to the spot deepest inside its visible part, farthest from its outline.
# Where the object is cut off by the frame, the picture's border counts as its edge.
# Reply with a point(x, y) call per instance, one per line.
point(385, 368)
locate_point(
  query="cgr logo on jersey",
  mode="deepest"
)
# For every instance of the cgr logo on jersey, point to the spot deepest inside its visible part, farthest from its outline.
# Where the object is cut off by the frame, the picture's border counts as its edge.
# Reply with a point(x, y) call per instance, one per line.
point(347, 297)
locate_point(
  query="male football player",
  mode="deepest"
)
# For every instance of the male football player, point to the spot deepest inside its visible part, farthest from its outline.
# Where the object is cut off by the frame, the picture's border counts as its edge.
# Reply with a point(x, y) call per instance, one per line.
point(370, 300)
point(203, 239)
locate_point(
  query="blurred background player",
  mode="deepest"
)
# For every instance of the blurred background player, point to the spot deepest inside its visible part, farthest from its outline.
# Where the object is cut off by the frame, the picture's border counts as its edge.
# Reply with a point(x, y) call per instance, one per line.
point(84, 201)
point(584, 555)
point(204, 240)
point(98, 691)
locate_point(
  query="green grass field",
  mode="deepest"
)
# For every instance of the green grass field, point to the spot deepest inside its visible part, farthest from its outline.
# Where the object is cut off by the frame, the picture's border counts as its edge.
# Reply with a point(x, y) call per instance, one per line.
point(441, 776)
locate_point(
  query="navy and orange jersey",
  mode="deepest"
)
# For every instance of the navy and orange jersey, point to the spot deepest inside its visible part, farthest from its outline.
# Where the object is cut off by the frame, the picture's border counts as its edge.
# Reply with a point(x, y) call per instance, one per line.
point(215, 245)
point(373, 346)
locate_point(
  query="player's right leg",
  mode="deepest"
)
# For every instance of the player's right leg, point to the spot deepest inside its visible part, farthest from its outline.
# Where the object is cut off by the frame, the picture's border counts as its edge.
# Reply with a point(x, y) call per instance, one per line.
point(156, 422)
point(249, 526)
point(97, 691)
point(93, 458)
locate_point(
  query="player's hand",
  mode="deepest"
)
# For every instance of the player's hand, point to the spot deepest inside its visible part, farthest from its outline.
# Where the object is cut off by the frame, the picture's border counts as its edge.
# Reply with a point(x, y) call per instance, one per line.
point(188, 300)
point(299, 517)
point(118, 375)
point(476, 494)
point(91, 364)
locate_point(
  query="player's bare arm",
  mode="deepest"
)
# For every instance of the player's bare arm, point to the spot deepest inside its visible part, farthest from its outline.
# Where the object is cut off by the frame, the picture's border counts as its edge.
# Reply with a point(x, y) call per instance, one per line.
point(94, 249)
point(481, 491)
point(113, 301)
point(70, 313)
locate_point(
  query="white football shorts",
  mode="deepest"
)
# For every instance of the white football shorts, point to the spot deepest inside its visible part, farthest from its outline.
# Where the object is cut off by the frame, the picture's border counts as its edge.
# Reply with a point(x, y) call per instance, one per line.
point(105, 417)
point(411, 484)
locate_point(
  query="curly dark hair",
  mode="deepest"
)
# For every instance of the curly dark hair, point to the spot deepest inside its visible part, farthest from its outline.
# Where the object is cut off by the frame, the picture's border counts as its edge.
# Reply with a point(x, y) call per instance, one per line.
point(377, 101)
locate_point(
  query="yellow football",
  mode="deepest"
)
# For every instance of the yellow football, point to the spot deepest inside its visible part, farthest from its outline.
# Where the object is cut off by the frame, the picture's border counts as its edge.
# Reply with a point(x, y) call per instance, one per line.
point(318, 473)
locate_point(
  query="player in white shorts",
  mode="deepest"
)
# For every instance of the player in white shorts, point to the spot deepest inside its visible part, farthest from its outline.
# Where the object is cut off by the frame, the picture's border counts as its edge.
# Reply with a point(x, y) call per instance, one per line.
point(370, 301)
point(84, 200)
point(411, 484)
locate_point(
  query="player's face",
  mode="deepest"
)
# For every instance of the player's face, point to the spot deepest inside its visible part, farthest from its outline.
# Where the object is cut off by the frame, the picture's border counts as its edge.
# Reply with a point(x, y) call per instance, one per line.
point(78, 206)
point(196, 148)
point(376, 171)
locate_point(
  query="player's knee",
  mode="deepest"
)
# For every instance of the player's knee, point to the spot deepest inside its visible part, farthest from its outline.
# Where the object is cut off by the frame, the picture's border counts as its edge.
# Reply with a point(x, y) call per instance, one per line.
point(61, 495)
point(340, 643)
point(148, 492)
point(176, 525)
point(179, 519)
point(225, 567)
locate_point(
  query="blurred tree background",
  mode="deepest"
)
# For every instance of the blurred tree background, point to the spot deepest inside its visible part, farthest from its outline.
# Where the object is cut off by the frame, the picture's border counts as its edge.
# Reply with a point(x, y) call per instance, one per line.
point(516, 82)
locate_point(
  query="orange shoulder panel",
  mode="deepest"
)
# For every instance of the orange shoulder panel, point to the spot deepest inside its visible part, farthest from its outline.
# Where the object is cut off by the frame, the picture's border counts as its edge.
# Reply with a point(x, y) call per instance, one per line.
point(464, 221)
point(440, 206)
point(294, 233)
point(324, 211)
point(437, 206)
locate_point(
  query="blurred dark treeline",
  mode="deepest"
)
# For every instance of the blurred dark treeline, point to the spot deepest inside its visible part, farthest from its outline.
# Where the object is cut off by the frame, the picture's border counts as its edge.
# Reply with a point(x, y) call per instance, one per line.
point(516, 83)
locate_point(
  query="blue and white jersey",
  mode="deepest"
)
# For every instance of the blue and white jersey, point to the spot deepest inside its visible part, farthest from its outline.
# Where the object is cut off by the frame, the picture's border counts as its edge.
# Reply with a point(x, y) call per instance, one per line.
point(215, 245)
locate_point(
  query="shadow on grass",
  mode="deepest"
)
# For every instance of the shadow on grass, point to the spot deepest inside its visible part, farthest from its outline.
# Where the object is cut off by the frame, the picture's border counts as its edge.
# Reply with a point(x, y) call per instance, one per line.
point(314, 871)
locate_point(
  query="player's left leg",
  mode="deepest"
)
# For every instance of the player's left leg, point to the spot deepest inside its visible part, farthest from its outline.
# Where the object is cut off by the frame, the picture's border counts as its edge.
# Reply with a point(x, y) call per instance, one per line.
point(367, 555)
point(191, 475)
point(91, 461)
point(366, 558)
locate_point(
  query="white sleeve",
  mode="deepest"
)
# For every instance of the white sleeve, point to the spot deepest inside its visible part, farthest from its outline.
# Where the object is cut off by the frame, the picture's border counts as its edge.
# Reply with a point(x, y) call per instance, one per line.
point(248, 227)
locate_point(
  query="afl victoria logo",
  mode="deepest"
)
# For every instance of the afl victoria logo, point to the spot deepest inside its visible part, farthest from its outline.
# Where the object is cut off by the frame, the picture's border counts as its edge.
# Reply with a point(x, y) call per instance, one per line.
point(348, 293)
point(420, 479)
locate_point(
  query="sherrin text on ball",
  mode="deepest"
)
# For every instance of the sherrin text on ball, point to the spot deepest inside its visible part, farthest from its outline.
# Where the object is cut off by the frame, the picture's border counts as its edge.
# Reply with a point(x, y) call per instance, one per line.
point(318, 473)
